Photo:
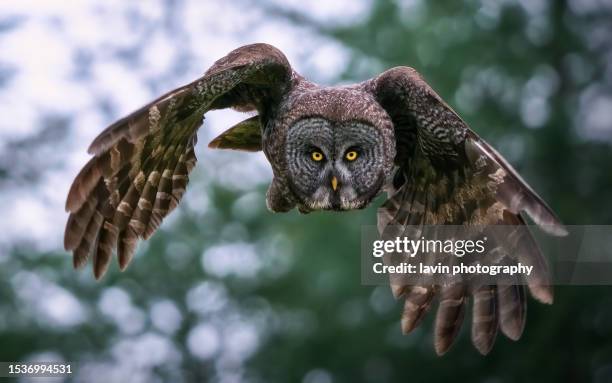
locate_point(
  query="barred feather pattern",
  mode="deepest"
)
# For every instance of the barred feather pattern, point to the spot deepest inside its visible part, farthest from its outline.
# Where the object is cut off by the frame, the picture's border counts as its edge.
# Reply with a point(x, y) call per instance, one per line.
point(472, 195)
point(141, 163)
point(447, 175)
point(136, 186)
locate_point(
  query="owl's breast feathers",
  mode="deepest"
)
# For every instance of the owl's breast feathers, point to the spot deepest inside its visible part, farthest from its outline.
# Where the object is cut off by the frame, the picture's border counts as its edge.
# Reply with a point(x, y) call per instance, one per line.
point(444, 174)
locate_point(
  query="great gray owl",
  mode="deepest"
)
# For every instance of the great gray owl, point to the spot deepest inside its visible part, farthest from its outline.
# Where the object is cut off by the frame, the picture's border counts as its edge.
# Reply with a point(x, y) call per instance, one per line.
point(331, 148)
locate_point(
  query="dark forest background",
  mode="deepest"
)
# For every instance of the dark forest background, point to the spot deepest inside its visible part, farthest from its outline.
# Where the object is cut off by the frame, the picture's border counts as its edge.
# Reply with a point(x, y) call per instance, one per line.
point(227, 291)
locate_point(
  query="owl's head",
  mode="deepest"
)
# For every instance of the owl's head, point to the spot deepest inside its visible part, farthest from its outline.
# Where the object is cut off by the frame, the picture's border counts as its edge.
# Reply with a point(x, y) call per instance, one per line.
point(330, 149)
point(336, 165)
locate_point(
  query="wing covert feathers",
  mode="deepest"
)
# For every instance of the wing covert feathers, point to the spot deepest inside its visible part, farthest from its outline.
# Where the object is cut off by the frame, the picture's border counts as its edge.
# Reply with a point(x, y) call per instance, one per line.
point(447, 175)
point(141, 163)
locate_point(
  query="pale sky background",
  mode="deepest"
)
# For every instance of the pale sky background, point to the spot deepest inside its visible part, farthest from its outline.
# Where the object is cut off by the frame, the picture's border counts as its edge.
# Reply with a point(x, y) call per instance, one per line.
point(66, 58)
point(53, 38)
point(92, 62)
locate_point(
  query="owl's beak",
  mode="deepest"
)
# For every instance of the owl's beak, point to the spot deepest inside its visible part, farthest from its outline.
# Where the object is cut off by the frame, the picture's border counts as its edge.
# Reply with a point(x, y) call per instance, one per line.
point(334, 183)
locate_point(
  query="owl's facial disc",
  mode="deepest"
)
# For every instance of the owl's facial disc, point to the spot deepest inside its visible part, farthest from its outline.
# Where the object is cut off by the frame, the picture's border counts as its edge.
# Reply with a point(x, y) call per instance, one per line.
point(335, 165)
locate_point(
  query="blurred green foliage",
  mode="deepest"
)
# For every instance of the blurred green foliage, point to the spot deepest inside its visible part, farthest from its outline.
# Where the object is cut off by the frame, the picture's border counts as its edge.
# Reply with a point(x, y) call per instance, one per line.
point(518, 74)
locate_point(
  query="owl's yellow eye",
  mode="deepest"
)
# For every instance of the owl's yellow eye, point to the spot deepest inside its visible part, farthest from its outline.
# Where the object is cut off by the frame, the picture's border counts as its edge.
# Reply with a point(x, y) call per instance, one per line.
point(351, 155)
point(316, 156)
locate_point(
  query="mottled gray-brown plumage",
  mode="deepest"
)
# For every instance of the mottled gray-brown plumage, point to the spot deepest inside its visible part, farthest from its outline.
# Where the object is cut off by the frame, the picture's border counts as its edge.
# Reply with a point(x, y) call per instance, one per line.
point(331, 148)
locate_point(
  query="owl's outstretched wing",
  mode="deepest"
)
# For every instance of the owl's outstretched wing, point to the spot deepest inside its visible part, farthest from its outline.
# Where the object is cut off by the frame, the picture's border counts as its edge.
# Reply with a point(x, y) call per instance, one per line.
point(447, 175)
point(141, 163)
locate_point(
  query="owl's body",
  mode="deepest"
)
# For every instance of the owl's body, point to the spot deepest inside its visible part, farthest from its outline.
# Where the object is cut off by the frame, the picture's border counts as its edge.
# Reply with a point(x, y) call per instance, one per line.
point(330, 148)
point(333, 121)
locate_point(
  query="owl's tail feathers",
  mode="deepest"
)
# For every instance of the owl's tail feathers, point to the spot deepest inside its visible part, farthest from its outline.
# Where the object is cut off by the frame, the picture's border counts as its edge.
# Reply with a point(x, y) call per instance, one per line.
point(122, 195)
